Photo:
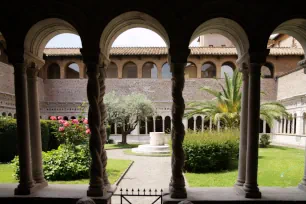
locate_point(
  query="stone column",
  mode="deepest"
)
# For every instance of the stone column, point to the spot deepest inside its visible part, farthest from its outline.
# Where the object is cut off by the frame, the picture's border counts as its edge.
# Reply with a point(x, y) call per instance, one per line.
point(250, 186)
point(264, 128)
point(210, 124)
point(178, 61)
point(35, 131)
point(202, 124)
point(243, 127)
point(292, 125)
point(163, 122)
point(154, 124)
point(299, 124)
point(91, 60)
point(62, 71)
point(172, 124)
point(185, 122)
point(115, 127)
point(146, 125)
point(218, 125)
point(194, 123)
point(288, 126)
point(285, 126)
point(26, 183)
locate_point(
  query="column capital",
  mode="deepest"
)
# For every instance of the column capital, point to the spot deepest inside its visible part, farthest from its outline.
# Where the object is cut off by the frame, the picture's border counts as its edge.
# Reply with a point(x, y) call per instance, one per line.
point(302, 63)
point(178, 55)
point(258, 57)
point(90, 56)
point(104, 61)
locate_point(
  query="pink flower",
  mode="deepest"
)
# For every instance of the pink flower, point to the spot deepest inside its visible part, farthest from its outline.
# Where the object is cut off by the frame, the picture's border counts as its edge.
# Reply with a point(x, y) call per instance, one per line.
point(75, 121)
point(53, 118)
point(66, 124)
point(61, 129)
point(61, 121)
point(85, 121)
point(88, 131)
point(60, 117)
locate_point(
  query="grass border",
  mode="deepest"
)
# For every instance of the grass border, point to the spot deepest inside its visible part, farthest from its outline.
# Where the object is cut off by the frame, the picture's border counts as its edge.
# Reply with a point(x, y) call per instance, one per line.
point(123, 174)
point(129, 152)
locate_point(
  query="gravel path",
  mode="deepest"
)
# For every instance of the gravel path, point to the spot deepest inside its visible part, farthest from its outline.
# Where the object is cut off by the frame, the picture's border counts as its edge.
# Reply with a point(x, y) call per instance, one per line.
point(146, 172)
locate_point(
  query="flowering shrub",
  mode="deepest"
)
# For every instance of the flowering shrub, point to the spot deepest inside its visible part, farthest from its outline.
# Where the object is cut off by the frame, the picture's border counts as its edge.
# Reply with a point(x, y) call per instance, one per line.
point(72, 133)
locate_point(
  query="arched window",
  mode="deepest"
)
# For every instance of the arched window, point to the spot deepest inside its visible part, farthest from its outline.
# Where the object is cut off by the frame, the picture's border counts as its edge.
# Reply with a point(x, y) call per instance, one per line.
point(167, 124)
point(166, 72)
point(9, 115)
point(142, 127)
point(4, 114)
point(190, 70)
point(159, 124)
point(65, 118)
point(130, 70)
point(227, 68)
point(112, 71)
point(73, 71)
point(267, 71)
point(54, 71)
point(15, 116)
point(73, 117)
point(149, 70)
point(208, 70)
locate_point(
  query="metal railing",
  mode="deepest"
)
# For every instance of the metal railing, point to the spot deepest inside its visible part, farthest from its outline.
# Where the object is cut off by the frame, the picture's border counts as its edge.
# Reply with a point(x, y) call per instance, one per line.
point(125, 194)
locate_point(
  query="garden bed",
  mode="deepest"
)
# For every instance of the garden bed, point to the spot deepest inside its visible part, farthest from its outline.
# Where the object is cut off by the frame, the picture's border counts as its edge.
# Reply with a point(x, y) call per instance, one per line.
point(278, 166)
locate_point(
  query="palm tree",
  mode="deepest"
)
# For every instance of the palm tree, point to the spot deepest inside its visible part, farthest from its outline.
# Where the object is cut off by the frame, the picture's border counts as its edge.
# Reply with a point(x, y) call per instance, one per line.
point(226, 106)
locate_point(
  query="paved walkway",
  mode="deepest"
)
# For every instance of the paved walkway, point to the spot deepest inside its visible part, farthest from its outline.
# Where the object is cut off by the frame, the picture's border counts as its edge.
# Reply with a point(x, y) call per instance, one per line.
point(146, 172)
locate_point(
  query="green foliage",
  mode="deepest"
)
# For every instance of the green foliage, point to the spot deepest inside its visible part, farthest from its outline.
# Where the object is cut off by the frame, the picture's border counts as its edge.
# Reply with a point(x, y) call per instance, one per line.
point(8, 137)
point(211, 151)
point(62, 164)
point(264, 140)
point(226, 105)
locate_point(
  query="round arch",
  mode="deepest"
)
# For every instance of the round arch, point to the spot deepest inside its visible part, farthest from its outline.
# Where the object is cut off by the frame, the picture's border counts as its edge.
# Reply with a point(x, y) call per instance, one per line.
point(208, 70)
point(127, 21)
point(112, 70)
point(129, 70)
point(267, 70)
point(72, 70)
point(149, 70)
point(228, 28)
point(42, 32)
point(228, 68)
point(295, 28)
point(190, 70)
point(53, 71)
point(166, 71)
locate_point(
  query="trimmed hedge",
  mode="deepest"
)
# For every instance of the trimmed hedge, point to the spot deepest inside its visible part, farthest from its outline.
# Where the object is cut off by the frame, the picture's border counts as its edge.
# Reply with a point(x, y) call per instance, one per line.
point(8, 138)
point(211, 151)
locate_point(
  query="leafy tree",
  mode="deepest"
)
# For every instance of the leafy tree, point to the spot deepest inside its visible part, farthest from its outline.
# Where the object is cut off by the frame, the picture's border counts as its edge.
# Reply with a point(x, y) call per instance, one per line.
point(226, 105)
point(127, 111)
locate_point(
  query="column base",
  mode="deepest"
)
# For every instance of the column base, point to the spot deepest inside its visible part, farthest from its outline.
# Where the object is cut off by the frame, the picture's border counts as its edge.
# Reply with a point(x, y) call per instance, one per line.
point(238, 188)
point(251, 191)
point(302, 187)
point(177, 192)
point(22, 190)
point(110, 188)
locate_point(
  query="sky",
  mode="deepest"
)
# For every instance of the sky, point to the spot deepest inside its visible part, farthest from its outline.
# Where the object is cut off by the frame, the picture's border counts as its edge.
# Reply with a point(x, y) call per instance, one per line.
point(135, 37)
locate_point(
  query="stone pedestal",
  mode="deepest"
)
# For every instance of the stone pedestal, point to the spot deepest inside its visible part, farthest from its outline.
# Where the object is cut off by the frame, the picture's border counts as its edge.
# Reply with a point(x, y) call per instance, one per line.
point(157, 145)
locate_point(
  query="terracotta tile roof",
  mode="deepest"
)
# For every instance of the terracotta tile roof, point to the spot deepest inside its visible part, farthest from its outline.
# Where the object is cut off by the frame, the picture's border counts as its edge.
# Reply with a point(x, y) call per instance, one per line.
point(163, 51)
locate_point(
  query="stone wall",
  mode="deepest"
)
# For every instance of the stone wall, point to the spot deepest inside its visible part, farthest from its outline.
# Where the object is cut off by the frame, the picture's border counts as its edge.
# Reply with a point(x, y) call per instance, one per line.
point(6, 78)
point(291, 85)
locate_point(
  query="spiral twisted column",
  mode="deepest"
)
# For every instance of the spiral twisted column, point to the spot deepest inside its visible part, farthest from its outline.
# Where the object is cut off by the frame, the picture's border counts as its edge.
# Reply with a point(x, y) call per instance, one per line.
point(96, 185)
point(177, 184)
point(103, 133)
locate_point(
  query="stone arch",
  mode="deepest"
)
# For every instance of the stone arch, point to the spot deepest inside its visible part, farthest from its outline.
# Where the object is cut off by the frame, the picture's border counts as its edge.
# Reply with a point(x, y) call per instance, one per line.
point(150, 124)
point(190, 70)
point(149, 70)
point(267, 70)
point(208, 70)
point(127, 21)
point(4, 114)
point(72, 117)
point(9, 115)
point(166, 71)
point(42, 32)
point(190, 123)
point(158, 124)
point(228, 28)
point(53, 71)
point(65, 118)
point(199, 122)
point(295, 28)
point(129, 70)
point(112, 70)
point(72, 70)
point(228, 68)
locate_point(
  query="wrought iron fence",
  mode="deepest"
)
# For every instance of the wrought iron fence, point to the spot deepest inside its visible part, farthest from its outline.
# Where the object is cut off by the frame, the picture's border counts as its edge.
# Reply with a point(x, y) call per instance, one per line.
point(125, 194)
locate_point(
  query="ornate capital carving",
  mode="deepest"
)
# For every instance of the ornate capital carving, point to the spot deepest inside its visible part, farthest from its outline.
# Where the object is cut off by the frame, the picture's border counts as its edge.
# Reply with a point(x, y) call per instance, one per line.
point(32, 64)
point(302, 63)
point(104, 61)
point(92, 56)
point(244, 59)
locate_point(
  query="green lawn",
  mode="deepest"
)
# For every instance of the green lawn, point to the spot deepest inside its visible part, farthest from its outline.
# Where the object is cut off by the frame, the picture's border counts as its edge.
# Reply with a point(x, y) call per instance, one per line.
point(115, 167)
point(278, 166)
point(120, 146)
